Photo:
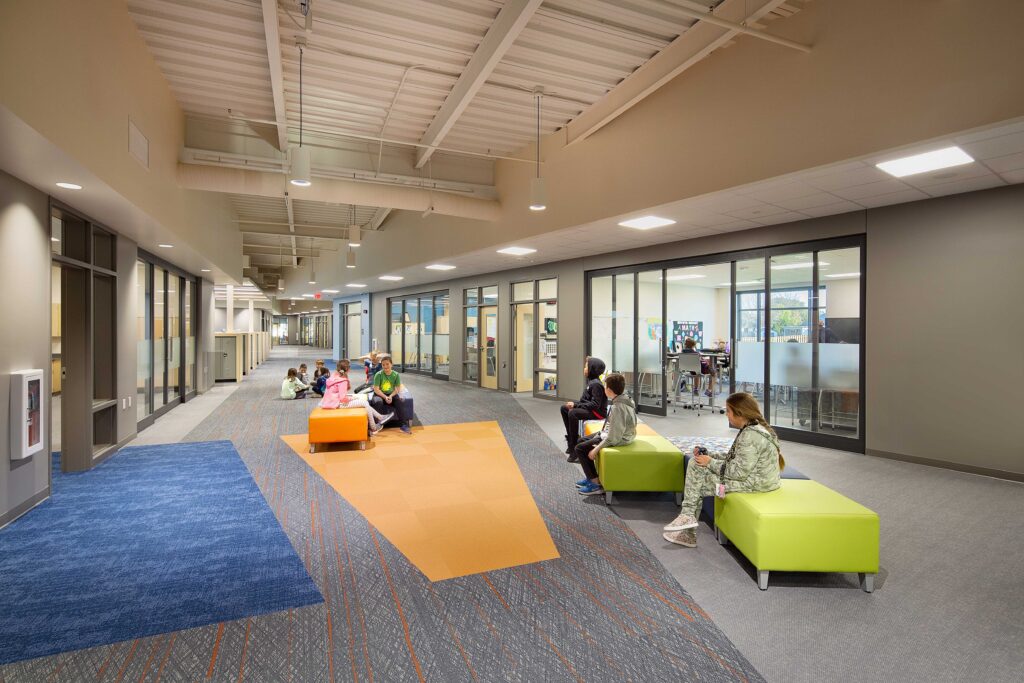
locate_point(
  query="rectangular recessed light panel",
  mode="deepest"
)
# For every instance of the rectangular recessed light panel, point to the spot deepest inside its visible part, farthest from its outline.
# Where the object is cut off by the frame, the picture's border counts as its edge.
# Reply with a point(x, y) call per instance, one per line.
point(330, 291)
point(355, 284)
point(517, 251)
point(391, 278)
point(440, 266)
point(929, 161)
point(647, 222)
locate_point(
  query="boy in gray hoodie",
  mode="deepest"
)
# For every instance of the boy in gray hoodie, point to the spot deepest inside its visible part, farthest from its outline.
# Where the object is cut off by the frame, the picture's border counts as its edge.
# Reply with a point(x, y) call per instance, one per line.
point(619, 430)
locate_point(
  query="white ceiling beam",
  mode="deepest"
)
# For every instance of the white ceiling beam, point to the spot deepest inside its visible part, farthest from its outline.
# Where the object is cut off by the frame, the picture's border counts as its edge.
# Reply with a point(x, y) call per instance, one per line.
point(273, 35)
point(691, 47)
point(379, 216)
point(698, 11)
point(507, 26)
point(316, 233)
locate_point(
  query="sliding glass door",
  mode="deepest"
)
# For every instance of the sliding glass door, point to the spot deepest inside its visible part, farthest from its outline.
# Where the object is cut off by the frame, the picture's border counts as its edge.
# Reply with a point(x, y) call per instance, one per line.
point(418, 338)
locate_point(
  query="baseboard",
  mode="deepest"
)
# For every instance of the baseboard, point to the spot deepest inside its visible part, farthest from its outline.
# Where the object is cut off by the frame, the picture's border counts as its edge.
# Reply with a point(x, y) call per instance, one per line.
point(104, 455)
point(946, 465)
point(19, 510)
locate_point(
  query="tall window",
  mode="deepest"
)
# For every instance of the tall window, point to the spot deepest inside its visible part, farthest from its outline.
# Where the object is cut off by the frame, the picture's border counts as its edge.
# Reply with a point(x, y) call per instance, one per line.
point(418, 335)
point(143, 321)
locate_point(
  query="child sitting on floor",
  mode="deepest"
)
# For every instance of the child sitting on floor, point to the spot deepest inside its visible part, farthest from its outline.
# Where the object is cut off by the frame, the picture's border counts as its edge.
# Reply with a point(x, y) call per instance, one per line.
point(619, 430)
point(303, 376)
point(336, 396)
point(292, 386)
point(320, 376)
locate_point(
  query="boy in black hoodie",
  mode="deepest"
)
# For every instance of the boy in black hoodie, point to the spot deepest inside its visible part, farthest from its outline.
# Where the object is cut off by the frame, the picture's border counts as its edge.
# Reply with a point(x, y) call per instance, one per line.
point(593, 404)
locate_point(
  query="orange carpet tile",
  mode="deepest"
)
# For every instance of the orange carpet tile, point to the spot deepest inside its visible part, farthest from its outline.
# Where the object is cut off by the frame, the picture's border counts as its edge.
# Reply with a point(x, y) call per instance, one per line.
point(450, 497)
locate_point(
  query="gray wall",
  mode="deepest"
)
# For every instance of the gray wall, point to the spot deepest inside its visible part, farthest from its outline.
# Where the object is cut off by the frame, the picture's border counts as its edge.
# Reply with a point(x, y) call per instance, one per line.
point(945, 330)
point(24, 332)
point(944, 325)
point(127, 337)
point(204, 336)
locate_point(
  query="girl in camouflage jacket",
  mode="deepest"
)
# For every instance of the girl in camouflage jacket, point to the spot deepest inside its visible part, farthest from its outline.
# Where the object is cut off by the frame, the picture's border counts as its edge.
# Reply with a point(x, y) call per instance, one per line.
point(752, 465)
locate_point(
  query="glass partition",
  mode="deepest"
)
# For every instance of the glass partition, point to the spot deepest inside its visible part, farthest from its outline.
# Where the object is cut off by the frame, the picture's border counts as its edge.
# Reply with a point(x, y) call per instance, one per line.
point(426, 332)
point(395, 332)
point(143, 322)
point(547, 350)
point(441, 354)
point(159, 336)
point(419, 334)
point(623, 339)
point(190, 338)
point(747, 347)
point(650, 339)
point(412, 336)
point(173, 337)
point(471, 316)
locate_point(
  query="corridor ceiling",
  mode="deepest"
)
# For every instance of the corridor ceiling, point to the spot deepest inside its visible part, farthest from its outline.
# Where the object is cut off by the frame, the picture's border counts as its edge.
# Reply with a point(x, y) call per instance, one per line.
point(451, 76)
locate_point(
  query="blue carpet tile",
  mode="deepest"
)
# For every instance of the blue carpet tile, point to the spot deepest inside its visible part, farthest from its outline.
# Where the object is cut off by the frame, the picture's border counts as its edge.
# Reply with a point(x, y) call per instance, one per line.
point(157, 539)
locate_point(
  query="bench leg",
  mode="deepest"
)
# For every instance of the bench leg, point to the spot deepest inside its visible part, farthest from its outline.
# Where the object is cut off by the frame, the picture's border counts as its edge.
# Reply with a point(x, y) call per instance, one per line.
point(720, 535)
point(679, 498)
point(609, 498)
point(762, 579)
point(312, 448)
point(867, 582)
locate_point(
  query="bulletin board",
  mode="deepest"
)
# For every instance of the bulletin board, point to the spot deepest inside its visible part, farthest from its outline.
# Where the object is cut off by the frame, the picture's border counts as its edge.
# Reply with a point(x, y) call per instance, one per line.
point(681, 329)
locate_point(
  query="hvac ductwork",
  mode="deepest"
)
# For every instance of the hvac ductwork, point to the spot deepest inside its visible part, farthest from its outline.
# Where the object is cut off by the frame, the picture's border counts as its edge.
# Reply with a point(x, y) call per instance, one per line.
point(268, 184)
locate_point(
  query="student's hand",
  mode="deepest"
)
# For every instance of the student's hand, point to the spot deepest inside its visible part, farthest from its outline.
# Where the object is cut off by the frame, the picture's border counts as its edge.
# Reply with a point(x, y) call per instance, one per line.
point(593, 453)
point(702, 460)
point(570, 405)
point(387, 399)
point(696, 451)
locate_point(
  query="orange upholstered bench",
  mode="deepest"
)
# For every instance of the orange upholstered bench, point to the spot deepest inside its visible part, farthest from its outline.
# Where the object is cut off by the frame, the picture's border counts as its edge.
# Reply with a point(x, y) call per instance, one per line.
point(336, 426)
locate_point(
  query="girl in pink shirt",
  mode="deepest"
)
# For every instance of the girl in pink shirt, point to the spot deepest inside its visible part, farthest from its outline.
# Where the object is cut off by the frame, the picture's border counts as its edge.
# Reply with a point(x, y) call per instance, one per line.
point(336, 396)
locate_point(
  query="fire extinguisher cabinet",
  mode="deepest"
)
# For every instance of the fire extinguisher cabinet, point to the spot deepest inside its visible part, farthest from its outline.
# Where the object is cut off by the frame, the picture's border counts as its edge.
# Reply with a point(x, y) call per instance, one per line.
point(27, 413)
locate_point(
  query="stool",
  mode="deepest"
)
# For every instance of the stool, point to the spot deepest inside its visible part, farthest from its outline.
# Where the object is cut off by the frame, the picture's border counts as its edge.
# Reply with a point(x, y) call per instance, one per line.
point(337, 426)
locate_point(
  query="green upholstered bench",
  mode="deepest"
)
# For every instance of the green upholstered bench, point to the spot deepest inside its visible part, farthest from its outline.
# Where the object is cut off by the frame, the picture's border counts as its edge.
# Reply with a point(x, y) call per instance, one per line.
point(650, 463)
point(802, 526)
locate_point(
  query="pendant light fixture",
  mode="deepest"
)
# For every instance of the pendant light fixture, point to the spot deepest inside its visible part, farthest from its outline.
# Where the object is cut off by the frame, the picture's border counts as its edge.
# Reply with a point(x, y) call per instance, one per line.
point(280, 267)
point(350, 260)
point(353, 230)
point(312, 264)
point(538, 196)
point(300, 154)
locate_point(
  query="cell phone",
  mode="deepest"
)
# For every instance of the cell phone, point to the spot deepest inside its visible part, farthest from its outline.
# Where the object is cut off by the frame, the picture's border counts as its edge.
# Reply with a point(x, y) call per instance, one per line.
point(701, 450)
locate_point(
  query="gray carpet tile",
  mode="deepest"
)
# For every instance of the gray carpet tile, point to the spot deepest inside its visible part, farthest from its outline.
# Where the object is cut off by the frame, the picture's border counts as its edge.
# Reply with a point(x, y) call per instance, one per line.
point(605, 610)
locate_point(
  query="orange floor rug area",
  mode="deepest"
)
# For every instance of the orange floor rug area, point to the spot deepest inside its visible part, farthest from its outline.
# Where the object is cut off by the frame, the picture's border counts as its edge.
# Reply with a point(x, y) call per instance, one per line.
point(450, 497)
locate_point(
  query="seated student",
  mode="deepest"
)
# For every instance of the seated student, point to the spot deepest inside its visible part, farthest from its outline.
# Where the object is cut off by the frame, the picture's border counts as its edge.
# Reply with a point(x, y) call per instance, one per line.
point(303, 376)
point(690, 346)
point(752, 465)
point(371, 364)
point(337, 396)
point(619, 430)
point(593, 404)
point(292, 386)
point(387, 390)
point(320, 376)
point(319, 364)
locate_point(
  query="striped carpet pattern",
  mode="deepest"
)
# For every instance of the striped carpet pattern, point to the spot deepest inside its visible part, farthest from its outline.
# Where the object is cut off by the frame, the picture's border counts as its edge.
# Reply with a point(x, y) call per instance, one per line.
point(605, 610)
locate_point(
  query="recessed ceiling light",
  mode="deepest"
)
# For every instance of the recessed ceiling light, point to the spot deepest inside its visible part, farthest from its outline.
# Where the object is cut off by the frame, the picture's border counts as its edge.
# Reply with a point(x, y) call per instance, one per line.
point(391, 278)
point(166, 246)
point(440, 266)
point(793, 266)
point(307, 296)
point(844, 275)
point(330, 291)
point(355, 284)
point(929, 161)
point(69, 186)
point(647, 222)
point(54, 239)
point(204, 270)
point(691, 276)
point(517, 251)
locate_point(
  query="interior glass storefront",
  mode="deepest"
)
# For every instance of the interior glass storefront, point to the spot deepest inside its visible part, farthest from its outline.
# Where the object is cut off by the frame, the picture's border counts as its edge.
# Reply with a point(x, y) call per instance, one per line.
point(783, 324)
point(480, 307)
point(317, 330)
point(535, 337)
point(418, 334)
point(165, 332)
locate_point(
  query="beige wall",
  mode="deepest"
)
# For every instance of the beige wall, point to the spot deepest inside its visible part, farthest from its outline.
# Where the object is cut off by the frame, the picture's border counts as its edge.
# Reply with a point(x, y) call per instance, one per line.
point(24, 332)
point(77, 72)
point(945, 365)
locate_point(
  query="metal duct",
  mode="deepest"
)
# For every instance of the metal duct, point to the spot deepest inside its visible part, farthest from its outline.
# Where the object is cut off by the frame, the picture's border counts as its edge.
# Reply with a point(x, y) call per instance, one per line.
point(265, 184)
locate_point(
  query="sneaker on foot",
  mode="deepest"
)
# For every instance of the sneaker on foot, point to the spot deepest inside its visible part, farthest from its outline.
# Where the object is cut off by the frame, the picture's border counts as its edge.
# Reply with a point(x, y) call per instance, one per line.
point(582, 482)
point(405, 429)
point(683, 521)
point(591, 489)
point(387, 418)
point(687, 537)
point(376, 429)
point(572, 458)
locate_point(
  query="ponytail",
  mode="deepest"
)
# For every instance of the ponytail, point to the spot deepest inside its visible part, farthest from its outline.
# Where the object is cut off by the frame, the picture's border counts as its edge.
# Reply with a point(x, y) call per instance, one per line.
point(745, 406)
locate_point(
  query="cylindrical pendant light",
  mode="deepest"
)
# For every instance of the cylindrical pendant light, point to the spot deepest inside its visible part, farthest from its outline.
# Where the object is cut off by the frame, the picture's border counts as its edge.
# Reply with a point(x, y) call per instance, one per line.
point(354, 236)
point(538, 196)
point(300, 154)
point(350, 259)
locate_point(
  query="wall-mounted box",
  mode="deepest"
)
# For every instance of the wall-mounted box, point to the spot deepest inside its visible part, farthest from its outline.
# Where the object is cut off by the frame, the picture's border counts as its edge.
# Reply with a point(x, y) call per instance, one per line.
point(27, 413)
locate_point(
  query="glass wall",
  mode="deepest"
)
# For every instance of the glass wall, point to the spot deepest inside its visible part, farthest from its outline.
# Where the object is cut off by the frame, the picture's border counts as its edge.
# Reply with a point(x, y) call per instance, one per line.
point(471, 314)
point(190, 336)
point(144, 343)
point(783, 324)
point(535, 337)
point(173, 336)
point(159, 336)
point(418, 339)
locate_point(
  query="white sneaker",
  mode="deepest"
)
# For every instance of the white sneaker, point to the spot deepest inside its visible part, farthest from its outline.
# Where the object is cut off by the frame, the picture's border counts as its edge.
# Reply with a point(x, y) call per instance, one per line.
point(686, 538)
point(681, 522)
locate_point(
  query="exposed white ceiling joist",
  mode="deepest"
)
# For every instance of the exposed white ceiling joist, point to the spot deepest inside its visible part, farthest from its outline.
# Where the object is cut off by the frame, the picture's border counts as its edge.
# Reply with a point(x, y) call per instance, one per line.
point(316, 233)
point(378, 218)
point(273, 36)
point(688, 49)
point(510, 22)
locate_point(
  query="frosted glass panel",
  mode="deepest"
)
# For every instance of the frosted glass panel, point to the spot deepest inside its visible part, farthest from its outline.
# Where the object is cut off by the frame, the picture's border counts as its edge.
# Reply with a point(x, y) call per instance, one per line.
point(622, 349)
point(601, 318)
point(839, 366)
point(791, 365)
point(749, 363)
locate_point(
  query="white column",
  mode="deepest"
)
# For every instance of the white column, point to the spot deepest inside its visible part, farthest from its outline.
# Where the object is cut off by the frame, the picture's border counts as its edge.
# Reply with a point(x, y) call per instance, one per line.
point(251, 326)
point(229, 318)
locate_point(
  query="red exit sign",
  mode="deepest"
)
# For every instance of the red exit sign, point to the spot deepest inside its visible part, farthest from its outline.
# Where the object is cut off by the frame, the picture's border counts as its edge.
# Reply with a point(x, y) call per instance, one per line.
point(317, 295)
